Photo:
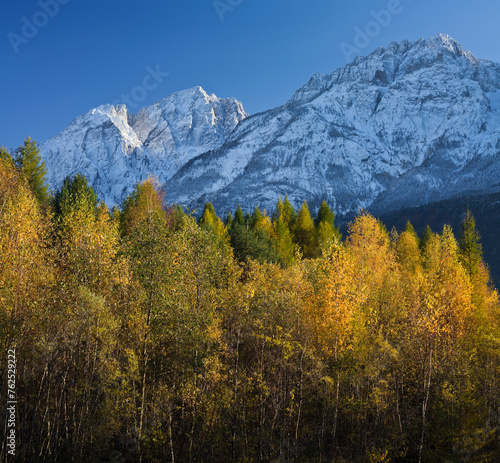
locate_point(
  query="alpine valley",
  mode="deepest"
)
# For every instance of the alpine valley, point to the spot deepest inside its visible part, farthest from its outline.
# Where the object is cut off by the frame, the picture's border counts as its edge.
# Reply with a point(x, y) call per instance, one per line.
point(409, 125)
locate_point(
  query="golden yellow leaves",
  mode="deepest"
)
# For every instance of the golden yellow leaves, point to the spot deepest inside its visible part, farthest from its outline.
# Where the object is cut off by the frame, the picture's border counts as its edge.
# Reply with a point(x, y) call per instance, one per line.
point(89, 246)
point(24, 265)
point(334, 301)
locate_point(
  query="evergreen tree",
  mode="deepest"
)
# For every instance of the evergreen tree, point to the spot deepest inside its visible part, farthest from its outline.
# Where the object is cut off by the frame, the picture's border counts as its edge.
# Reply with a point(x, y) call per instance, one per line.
point(286, 212)
point(278, 211)
point(75, 193)
point(257, 218)
point(115, 213)
point(229, 221)
point(260, 221)
point(251, 237)
point(325, 226)
point(175, 217)
point(283, 243)
point(32, 169)
point(239, 218)
point(426, 237)
point(208, 216)
point(255, 245)
point(409, 228)
point(210, 221)
point(304, 232)
point(471, 252)
point(325, 214)
point(289, 215)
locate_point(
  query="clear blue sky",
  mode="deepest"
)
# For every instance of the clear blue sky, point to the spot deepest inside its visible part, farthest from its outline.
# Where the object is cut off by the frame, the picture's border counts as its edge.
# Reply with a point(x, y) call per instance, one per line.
point(91, 52)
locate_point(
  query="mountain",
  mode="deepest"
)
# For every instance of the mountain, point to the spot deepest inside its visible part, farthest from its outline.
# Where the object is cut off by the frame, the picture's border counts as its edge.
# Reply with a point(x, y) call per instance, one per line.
point(116, 149)
point(408, 125)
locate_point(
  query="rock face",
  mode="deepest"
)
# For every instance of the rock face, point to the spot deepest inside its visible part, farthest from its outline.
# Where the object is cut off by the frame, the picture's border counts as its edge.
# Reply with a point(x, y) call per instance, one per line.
point(116, 149)
point(408, 125)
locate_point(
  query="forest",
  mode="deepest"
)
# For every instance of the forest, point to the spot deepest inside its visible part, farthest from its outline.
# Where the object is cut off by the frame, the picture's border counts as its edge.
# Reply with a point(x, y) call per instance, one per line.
point(146, 334)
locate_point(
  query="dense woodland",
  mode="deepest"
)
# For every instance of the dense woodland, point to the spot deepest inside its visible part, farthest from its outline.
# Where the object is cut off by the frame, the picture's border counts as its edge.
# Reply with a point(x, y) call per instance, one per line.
point(486, 211)
point(145, 335)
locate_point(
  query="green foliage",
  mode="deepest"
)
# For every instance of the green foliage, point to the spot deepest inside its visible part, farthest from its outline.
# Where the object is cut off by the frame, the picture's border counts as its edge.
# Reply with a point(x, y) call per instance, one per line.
point(286, 212)
point(471, 252)
point(325, 214)
point(256, 218)
point(142, 338)
point(209, 216)
point(252, 244)
point(283, 243)
point(210, 221)
point(325, 227)
point(426, 237)
point(229, 220)
point(409, 228)
point(75, 194)
point(175, 217)
point(327, 235)
point(304, 232)
point(239, 219)
point(32, 169)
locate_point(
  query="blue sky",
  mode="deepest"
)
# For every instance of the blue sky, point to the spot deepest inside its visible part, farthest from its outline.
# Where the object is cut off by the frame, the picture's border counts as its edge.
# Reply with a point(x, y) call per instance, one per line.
point(89, 52)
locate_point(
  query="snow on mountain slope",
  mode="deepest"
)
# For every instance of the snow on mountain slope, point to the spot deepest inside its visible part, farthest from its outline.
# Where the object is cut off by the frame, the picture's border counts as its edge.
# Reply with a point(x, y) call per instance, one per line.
point(116, 149)
point(409, 124)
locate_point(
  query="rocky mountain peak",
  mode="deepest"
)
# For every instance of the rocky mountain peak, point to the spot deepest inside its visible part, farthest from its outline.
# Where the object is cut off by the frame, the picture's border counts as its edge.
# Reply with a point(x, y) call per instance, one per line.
point(409, 124)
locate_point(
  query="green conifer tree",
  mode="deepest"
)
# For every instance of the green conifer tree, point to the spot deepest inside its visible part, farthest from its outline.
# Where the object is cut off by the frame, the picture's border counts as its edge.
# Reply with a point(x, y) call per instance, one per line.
point(289, 215)
point(208, 216)
point(282, 241)
point(32, 169)
point(75, 193)
point(304, 232)
point(175, 216)
point(278, 211)
point(239, 218)
point(470, 249)
point(325, 225)
point(209, 220)
point(409, 228)
point(256, 218)
point(426, 237)
point(325, 214)
point(229, 220)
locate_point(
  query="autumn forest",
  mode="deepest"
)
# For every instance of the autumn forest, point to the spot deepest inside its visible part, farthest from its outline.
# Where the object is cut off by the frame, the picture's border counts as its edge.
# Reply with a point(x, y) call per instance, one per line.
point(149, 333)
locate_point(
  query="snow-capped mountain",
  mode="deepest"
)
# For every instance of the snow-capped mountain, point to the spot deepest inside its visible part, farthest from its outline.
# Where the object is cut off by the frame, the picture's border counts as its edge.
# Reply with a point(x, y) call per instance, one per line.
point(116, 149)
point(407, 125)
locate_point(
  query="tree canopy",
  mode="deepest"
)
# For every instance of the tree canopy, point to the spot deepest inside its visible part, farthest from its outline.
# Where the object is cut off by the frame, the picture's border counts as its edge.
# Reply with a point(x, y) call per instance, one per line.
point(147, 334)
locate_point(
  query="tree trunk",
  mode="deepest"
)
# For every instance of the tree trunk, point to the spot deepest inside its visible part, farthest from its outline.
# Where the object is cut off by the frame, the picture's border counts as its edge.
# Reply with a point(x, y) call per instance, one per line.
point(427, 386)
